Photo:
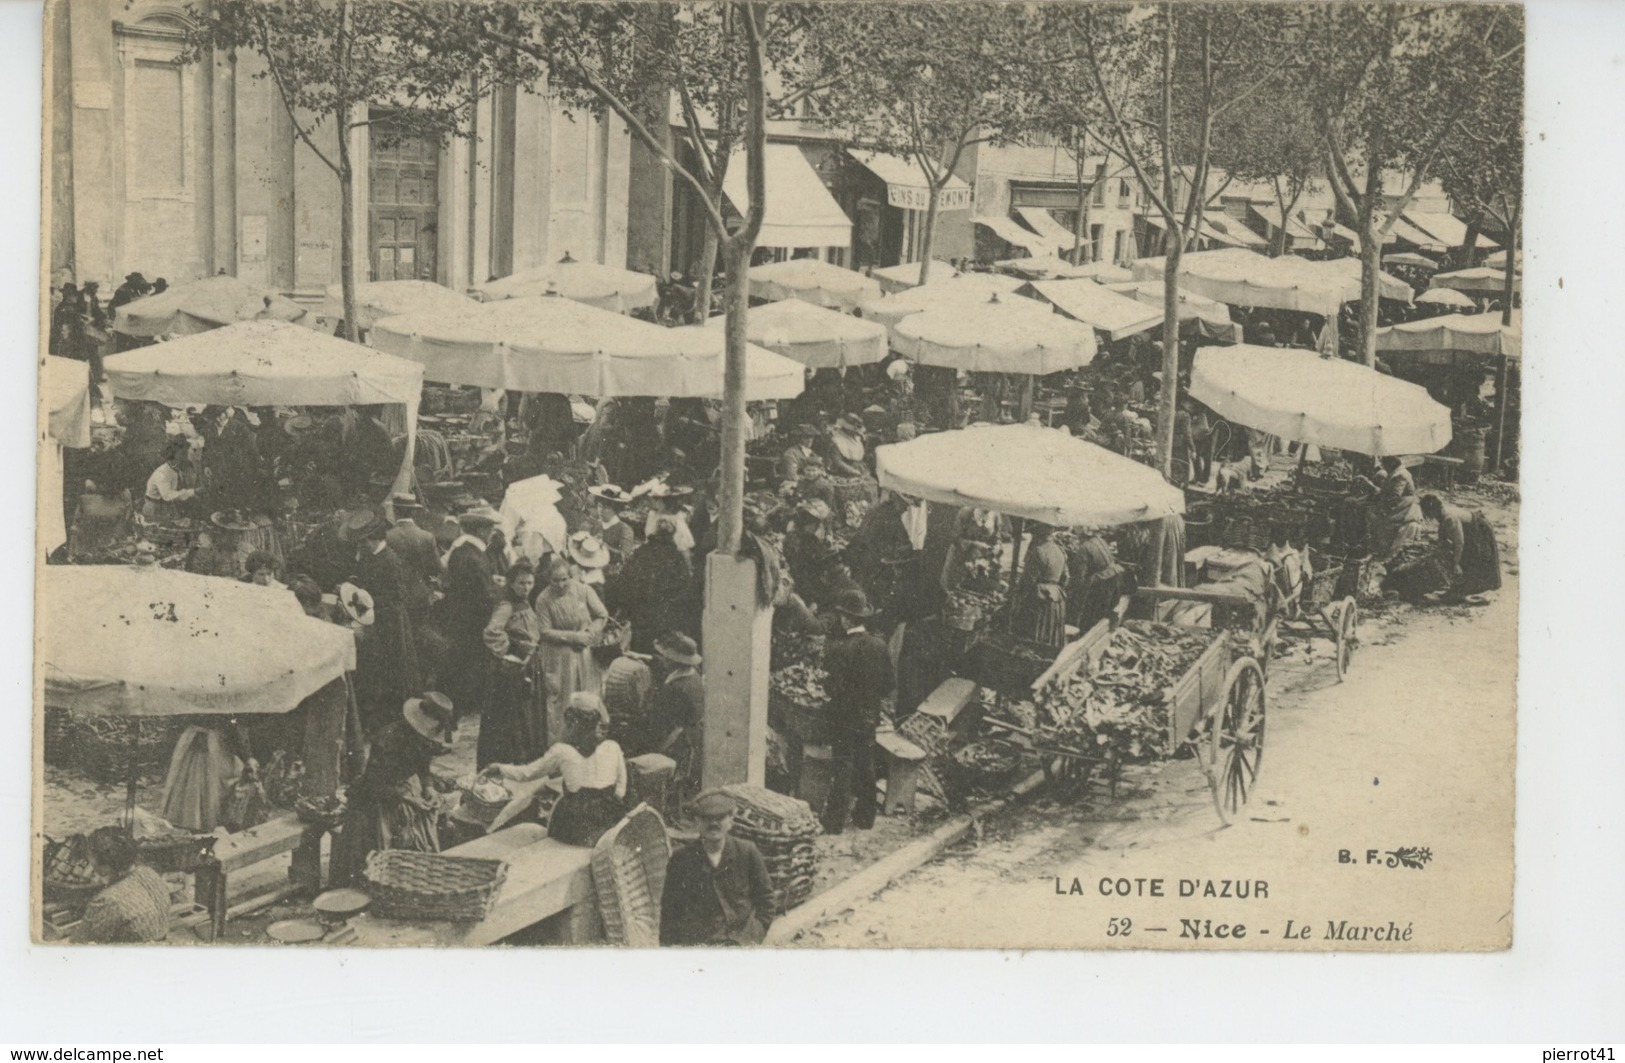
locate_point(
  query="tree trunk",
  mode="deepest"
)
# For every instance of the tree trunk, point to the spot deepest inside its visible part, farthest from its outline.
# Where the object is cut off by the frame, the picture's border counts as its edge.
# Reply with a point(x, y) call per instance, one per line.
point(1464, 254)
point(705, 270)
point(1168, 396)
point(731, 503)
point(1370, 265)
point(347, 236)
point(1080, 225)
point(1503, 372)
point(930, 228)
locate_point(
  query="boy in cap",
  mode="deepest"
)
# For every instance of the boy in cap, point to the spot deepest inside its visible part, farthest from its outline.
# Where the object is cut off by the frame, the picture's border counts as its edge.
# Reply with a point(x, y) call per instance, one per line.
point(717, 890)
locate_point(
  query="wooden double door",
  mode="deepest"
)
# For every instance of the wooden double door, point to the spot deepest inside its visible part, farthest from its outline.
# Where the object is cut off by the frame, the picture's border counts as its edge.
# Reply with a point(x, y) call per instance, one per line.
point(403, 206)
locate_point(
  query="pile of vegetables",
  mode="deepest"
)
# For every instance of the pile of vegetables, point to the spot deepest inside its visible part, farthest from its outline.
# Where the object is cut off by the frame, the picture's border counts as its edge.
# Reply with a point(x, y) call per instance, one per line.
point(801, 684)
point(1120, 707)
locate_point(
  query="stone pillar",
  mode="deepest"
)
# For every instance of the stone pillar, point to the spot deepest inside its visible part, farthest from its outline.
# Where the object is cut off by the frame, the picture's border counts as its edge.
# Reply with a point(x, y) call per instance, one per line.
point(738, 635)
point(97, 190)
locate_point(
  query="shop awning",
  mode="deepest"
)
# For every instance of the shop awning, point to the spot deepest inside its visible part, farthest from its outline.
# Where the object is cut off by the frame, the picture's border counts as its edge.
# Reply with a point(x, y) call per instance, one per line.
point(1042, 222)
point(1011, 232)
point(1222, 228)
point(1345, 233)
point(1116, 315)
point(1296, 230)
point(800, 211)
point(1446, 228)
point(907, 186)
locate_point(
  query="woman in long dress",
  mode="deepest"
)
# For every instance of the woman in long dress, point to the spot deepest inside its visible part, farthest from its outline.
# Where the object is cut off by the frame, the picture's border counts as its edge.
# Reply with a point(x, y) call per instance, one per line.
point(513, 721)
point(571, 617)
point(593, 770)
point(202, 770)
point(391, 805)
point(1041, 599)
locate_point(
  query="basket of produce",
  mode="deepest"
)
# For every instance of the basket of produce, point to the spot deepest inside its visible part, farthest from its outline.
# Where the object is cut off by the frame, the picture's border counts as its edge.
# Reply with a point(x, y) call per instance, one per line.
point(325, 812)
point(483, 799)
point(175, 853)
point(405, 884)
point(986, 762)
point(783, 828)
point(612, 641)
point(70, 875)
point(1120, 706)
point(109, 748)
point(628, 875)
point(795, 702)
point(58, 749)
point(1006, 664)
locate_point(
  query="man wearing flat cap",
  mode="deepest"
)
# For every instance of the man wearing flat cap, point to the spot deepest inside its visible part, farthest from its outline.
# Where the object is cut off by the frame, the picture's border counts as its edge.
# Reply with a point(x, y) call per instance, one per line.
point(717, 889)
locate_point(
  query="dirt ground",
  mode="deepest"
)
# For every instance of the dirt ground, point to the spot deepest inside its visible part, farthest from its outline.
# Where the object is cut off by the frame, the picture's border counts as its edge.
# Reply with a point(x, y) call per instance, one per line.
point(1414, 750)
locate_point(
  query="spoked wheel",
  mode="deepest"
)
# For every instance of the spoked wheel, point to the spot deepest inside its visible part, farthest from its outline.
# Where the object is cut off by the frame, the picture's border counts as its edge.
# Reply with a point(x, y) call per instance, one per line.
point(1347, 634)
point(1236, 747)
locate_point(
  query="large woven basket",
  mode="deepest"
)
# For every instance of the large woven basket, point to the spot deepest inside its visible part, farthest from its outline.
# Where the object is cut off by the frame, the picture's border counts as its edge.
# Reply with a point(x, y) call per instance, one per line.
point(629, 875)
point(783, 828)
point(411, 885)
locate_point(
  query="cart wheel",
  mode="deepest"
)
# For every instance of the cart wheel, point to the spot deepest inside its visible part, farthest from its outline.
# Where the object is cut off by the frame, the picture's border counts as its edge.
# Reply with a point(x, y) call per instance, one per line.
point(1236, 748)
point(1347, 628)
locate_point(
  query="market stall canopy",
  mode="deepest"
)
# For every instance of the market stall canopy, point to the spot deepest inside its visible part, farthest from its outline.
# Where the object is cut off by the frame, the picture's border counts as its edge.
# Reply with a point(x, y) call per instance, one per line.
point(1438, 339)
point(264, 363)
point(1014, 234)
point(606, 287)
point(1011, 334)
point(1042, 222)
point(800, 211)
point(1222, 228)
point(557, 345)
point(1297, 228)
point(813, 281)
point(1343, 232)
point(149, 641)
point(64, 386)
point(1028, 471)
point(952, 290)
point(1212, 318)
point(1242, 278)
point(376, 300)
point(198, 306)
point(906, 275)
point(1481, 279)
point(1447, 297)
point(1409, 258)
point(1499, 261)
point(1051, 267)
point(1448, 229)
point(812, 335)
point(907, 185)
point(1329, 402)
point(1113, 313)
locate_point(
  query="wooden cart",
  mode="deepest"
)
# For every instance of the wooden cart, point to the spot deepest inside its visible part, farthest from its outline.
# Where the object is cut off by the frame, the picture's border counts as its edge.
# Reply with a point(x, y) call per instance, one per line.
point(1216, 708)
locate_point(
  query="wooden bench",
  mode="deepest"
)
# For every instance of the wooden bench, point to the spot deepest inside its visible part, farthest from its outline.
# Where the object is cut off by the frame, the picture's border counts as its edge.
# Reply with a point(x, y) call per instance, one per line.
point(545, 879)
point(903, 760)
point(282, 833)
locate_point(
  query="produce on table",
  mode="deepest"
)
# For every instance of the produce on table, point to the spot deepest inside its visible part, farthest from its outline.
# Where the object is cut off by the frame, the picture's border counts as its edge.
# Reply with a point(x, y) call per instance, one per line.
point(1120, 707)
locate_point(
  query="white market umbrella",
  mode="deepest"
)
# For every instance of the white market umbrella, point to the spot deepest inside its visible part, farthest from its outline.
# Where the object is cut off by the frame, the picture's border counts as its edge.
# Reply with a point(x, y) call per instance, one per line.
point(813, 281)
point(1115, 314)
point(64, 391)
point(1409, 258)
point(271, 363)
point(376, 300)
point(1499, 261)
point(966, 288)
point(1455, 334)
point(198, 306)
point(1447, 297)
point(149, 641)
point(558, 345)
point(606, 287)
point(1303, 397)
point(1054, 267)
point(1478, 279)
point(815, 337)
point(1245, 278)
point(1213, 316)
point(906, 275)
point(1008, 335)
point(1028, 471)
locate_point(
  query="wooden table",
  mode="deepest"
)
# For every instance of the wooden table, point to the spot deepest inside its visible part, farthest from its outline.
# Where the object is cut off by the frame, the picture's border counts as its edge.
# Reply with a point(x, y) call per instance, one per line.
point(545, 879)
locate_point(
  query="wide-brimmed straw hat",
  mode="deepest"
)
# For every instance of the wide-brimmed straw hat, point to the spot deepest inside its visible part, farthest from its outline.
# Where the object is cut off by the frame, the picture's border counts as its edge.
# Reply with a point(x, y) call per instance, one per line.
point(480, 516)
point(431, 716)
point(679, 649)
point(357, 604)
point(610, 493)
point(361, 525)
point(587, 550)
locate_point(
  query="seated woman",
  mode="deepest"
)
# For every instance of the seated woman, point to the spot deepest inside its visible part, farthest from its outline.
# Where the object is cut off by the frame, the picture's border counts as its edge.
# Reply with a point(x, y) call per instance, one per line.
point(1394, 516)
point(593, 770)
point(134, 906)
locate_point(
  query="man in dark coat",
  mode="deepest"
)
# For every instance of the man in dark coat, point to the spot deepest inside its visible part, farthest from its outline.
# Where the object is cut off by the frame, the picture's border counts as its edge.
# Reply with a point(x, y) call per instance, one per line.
point(412, 544)
point(461, 616)
point(717, 890)
point(231, 460)
point(676, 726)
point(860, 679)
point(386, 658)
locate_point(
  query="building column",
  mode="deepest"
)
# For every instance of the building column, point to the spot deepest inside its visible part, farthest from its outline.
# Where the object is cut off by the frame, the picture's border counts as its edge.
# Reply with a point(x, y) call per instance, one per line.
point(97, 190)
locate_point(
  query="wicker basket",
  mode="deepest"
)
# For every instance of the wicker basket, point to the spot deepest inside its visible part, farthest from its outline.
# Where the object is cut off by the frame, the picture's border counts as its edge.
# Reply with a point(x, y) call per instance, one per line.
point(806, 721)
point(70, 876)
point(405, 884)
point(783, 829)
point(629, 874)
point(326, 818)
